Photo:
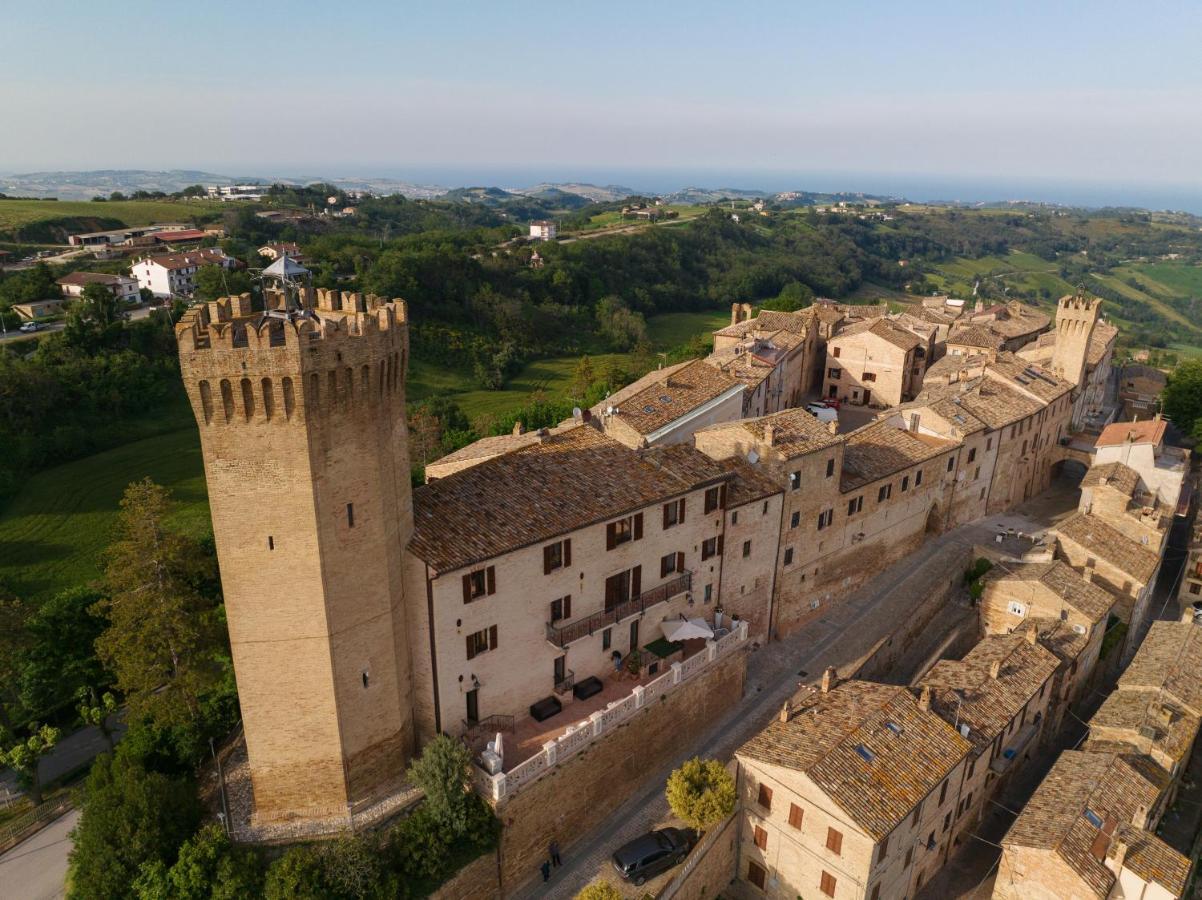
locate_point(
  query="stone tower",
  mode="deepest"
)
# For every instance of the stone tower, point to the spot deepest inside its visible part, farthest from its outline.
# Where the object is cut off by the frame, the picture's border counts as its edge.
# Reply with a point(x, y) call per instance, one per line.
point(302, 424)
point(1075, 320)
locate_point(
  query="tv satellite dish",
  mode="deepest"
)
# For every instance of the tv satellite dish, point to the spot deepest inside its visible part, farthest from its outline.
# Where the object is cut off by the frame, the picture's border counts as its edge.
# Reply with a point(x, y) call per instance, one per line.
point(576, 413)
point(753, 457)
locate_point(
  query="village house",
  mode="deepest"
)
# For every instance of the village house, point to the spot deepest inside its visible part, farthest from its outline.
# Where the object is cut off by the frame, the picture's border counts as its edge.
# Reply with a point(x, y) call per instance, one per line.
point(542, 230)
point(997, 697)
point(847, 794)
point(1112, 560)
point(786, 343)
point(1140, 388)
point(874, 363)
point(549, 565)
point(667, 405)
point(1142, 447)
point(1088, 832)
point(1016, 323)
point(121, 286)
point(1191, 576)
point(1067, 614)
point(276, 250)
point(174, 274)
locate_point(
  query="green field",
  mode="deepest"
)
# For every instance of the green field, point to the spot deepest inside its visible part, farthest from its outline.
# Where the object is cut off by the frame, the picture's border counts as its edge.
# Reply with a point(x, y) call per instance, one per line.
point(551, 376)
point(53, 531)
point(613, 218)
point(15, 213)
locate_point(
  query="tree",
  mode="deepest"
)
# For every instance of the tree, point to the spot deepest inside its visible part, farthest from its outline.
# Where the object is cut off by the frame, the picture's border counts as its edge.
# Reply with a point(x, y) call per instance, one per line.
point(94, 320)
point(22, 757)
point(208, 867)
point(60, 657)
point(619, 325)
point(214, 281)
point(599, 890)
point(443, 772)
point(1182, 397)
point(131, 817)
point(583, 378)
point(297, 875)
point(701, 792)
point(14, 640)
point(96, 711)
point(161, 639)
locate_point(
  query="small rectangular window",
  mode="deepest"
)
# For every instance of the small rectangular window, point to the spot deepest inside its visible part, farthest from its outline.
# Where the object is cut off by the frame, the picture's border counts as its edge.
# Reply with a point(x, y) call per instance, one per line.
point(794, 480)
point(479, 583)
point(827, 884)
point(270, 542)
point(795, 520)
point(918, 478)
point(972, 454)
point(756, 874)
point(711, 547)
point(788, 556)
point(951, 463)
point(795, 815)
point(715, 498)
point(761, 838)
point(885, 492)
point(830, 467)
point(557, 556)
point(607, 638)
point(764, 798)
point(834, 841)
point(746, 549)
point(350, 515)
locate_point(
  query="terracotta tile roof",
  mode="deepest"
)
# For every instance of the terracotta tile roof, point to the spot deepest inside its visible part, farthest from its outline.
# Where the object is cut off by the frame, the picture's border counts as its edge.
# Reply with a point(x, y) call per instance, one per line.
point(1100, 340)
point(1104, 540)
point(1110, 786)
point(796, 322)
point(1020, 319)
point(1145, 720)
point(679, 392)
point(618, 397)
point(886, 330)
point(992, 401)
point(975, 334)
point(1056, 636)
point(947, 407)
point(1149, 431)
point(964, 691)
point(203, 257)
point(488, 447)
point(880, 449)
point(1028, 376)
point(1090, 600)
point(750, 483)
point(745, 367)
point(1121, 477)
point(567, 481)
point(1152, 860)
point(1169, 659)
point(868, 746)
point(85, 278)
point(939, 316)
point(795, 432)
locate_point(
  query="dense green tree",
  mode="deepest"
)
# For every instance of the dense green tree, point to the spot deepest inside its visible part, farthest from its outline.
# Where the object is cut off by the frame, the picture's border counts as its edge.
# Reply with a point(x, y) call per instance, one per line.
point(208, 867)
point(97, 710)
point(14, 640)
point(161, 641)
point(60, 656)
point(619, 325)
point(214, 281)
point(701, 793)
point(131, 817)
point(1182, 398)
point(297, 875)
point(23, 754)
point(443, 772)
point(582, 378)
point(94, 320)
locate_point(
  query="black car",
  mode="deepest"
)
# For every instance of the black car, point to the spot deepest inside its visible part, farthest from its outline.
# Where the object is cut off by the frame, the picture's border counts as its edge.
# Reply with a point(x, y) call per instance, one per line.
point(647, 856)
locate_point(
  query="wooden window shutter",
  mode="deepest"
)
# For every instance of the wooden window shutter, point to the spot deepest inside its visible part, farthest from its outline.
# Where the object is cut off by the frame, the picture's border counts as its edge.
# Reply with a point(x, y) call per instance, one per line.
point(638, 526)
point(567, 552)
point(722, 497)
point(720, 537)
point(667, 506)
point(611, 534)
point(492, 637)
point(547, 558)
point(491, 575)
point(679, 562)
point(467, 588)
point(795, 815)
point(761, 838)
point(471, 648)
point(567, 606)
point(636, 581)
point(680, 518)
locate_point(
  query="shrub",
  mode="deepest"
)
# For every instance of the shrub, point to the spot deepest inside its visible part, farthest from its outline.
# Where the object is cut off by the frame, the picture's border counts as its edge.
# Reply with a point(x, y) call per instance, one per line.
point(701, 792)
point(443, 773)
point(599, 890)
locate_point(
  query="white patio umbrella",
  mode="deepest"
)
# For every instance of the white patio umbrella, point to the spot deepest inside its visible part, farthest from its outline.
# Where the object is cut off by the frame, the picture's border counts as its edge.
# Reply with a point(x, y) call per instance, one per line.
point(686, 629)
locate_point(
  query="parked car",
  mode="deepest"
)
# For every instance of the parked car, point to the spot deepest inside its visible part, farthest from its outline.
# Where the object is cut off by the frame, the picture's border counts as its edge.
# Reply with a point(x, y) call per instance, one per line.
point(653, 853)
point(30, 327)
point(822, 412)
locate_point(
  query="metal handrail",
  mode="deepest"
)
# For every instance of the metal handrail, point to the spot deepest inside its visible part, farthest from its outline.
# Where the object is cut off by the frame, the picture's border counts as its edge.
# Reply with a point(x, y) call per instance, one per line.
point(496, 722)
point(566, 683)
point(562, 635)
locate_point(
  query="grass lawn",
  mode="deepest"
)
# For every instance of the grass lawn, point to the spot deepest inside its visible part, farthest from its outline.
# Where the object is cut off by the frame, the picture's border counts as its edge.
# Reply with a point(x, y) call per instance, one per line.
point(1179, 279)
point(15, 213)
point(53, 531)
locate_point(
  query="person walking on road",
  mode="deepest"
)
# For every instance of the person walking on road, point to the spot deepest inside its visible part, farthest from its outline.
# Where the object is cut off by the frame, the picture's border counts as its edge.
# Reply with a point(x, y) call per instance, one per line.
point(546, 870)
point(554, 851)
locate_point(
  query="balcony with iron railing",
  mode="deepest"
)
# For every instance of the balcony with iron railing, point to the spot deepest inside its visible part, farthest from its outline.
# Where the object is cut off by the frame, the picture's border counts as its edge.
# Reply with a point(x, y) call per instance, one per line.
point(562, 635)
point(565, 684)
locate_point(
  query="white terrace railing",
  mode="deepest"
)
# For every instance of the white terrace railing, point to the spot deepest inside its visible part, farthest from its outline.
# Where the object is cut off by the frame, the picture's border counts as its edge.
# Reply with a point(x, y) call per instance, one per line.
point(580, 734)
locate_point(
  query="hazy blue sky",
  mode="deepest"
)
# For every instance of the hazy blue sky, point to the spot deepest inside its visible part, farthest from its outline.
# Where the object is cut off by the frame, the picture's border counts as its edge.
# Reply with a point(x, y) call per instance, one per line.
point(1097, 91)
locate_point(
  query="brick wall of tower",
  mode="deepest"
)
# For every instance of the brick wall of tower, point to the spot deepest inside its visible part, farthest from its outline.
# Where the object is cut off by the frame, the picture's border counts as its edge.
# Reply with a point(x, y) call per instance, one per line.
point(303, 435)
point(1075, 320)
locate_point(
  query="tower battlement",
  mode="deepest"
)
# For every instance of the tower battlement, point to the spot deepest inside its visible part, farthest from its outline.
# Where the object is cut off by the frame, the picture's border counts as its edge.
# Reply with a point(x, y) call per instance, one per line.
point(1080, 304)
point(1076, 316)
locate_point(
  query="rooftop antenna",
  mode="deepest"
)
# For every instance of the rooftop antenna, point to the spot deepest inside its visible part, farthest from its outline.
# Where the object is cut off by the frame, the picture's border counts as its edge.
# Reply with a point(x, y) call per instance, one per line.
point(292, 282)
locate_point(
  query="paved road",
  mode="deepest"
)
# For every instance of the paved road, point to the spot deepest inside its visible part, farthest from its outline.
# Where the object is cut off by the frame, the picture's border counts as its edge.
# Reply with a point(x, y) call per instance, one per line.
point(71, 753)
point(773, 675)
point(16, 334)
point(36, 869)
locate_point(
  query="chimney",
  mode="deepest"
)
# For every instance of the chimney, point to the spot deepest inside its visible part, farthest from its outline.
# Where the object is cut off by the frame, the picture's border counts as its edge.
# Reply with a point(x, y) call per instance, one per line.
point(830, 678)
point(1032, 635)
point(786, 711)
point(770, 435)
point(518, 428)
point(833, 426)
point(924, 699)
point(1087, 575)
point(1140, 817)
point(1120, 854)
point(995, 669)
